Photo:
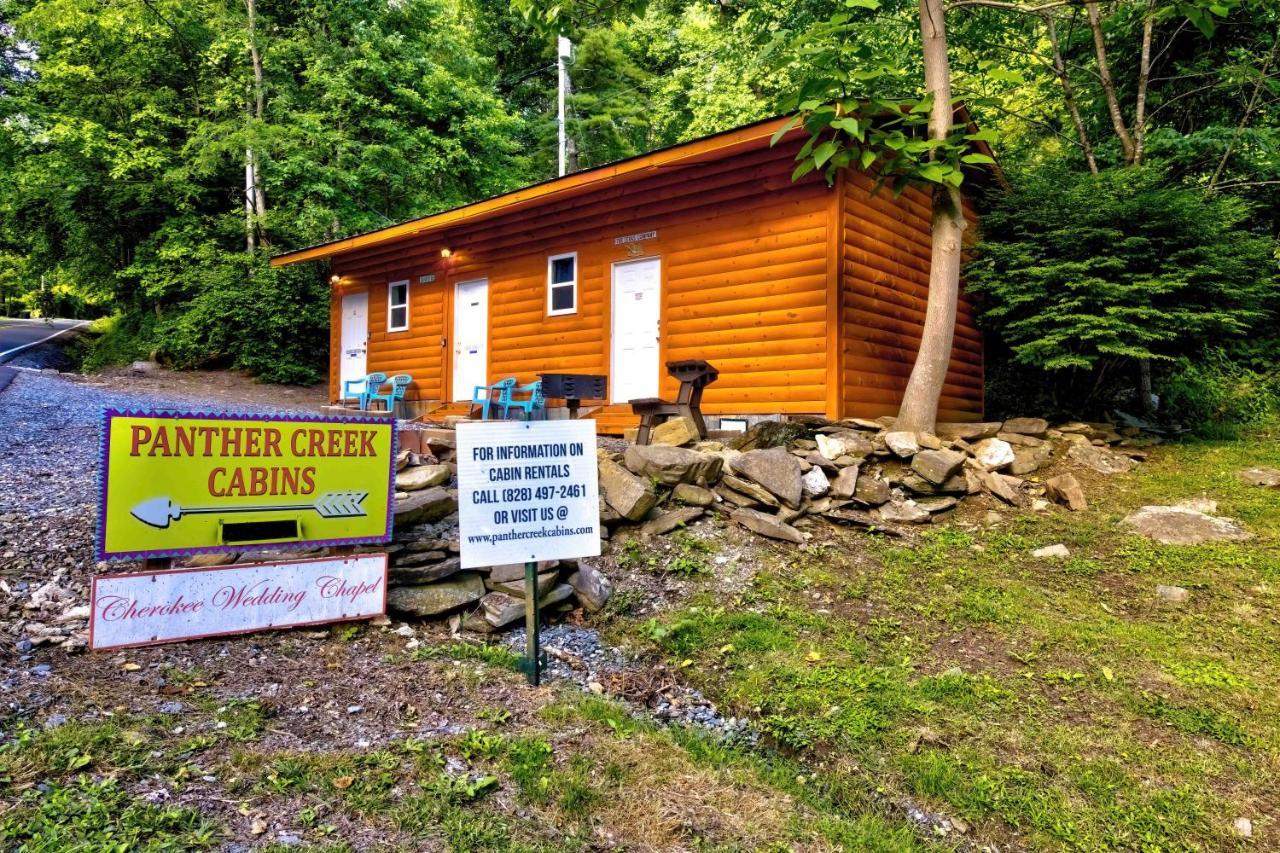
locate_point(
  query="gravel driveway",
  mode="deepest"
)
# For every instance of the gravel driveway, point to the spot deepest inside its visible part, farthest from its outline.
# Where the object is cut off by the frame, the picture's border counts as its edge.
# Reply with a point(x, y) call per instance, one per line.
point(48, 501)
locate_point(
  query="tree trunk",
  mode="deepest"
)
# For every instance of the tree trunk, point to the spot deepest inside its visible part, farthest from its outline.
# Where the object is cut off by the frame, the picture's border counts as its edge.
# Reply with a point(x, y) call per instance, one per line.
point(250, 229)
point(1244, 119)
point(1068, 94)
point(1108, 85)
point(257, 194)
point(1144, 75)
point(919, 410)
point(1146, 389)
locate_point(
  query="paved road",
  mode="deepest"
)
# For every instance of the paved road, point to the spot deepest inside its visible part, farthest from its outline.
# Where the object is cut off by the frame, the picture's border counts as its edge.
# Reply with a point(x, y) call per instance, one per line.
point(19, 335)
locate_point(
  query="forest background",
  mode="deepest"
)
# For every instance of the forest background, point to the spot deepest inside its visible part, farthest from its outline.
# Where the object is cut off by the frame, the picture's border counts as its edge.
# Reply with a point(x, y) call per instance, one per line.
point(1140, 140)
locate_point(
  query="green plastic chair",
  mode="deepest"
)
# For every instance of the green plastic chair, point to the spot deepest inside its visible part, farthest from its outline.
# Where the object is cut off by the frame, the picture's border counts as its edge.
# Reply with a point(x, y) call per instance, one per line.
point(399, 384)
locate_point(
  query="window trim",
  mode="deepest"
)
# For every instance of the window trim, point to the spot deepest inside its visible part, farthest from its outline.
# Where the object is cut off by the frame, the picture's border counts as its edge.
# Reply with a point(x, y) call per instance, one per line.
point(391, 306)
point(574, 284)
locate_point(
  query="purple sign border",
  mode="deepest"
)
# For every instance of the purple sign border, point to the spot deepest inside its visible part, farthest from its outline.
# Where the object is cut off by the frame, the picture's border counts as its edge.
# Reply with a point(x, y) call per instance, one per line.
point(110, 412)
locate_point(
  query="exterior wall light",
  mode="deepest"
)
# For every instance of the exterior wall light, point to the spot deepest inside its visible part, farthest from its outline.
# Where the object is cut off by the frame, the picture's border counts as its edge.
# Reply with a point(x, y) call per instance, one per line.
point(446, 252)
point(335, 279)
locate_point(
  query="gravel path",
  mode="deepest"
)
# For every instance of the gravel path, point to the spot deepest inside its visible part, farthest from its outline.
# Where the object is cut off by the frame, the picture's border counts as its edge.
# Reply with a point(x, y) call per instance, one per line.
point(48, 501)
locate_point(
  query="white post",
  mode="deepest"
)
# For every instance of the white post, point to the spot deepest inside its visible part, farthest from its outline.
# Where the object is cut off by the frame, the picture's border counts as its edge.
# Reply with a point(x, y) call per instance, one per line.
point(565, 48)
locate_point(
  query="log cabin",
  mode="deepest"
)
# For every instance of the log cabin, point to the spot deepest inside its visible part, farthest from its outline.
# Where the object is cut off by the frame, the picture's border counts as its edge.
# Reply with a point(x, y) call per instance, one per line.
point(808, 298)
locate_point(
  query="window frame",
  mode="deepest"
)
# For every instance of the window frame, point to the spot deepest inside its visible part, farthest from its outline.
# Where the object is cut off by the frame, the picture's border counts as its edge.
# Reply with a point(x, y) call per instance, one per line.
point(551, 260)
point(391, 305)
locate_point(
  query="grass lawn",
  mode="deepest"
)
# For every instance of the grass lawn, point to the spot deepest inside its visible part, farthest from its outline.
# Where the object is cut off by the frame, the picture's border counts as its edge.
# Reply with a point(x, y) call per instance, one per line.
point(1052, 704)
point(1036, 704)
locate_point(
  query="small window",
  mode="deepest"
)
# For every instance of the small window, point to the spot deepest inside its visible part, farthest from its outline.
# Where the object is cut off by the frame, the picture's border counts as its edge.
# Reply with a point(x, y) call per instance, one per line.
point(562, 284)
point(397, 306)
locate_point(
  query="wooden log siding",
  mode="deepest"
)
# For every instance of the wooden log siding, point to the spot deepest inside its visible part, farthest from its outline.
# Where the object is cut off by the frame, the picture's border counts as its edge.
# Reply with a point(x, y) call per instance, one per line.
point(742, 251)
point(808, 299)
point(884, 292)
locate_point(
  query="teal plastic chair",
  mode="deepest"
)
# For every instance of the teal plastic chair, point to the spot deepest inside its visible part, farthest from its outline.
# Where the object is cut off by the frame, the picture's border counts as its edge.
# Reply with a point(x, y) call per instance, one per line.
point(399, 384)
point(535, 400)
point(360, 389)
point(482, 396)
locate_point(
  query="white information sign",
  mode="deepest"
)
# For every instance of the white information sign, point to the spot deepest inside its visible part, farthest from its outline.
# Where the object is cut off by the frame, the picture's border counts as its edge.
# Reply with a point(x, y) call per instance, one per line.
point(141, 608)
point(527, 491)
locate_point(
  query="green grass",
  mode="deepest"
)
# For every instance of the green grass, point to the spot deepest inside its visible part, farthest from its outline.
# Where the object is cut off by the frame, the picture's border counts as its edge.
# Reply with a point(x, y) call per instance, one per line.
point(98, 815)
point(1050, 705)
point(1058, 704)
point(492, 654)
point(64, 790)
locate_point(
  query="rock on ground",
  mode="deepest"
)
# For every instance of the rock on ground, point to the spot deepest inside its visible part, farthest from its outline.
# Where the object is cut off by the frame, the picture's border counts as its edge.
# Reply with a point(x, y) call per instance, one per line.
point(422, 477)
point(1066, 490)
point(436, 598)
point(1175, 525)
point(993, 453)
point(967, 432)
point(424, 506)
point(670, 520)
point(903, 444)
point(901, 512)
point(591, 584)
point(1100, 459)
point(1026, 426)
point(775, 469)
point(672, 465)
point(846, 482)
point(630, 497)
point(937, 466)
point(1263, 477)
point(687, 493)
point(846, 443)
point(1005, 488)
point(767, 525)
point(871, 490)
point(675, 432)
point(815, 483)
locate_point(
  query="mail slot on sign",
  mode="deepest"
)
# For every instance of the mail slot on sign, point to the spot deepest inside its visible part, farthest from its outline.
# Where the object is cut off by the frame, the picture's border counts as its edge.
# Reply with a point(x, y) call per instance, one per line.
point(175, 484)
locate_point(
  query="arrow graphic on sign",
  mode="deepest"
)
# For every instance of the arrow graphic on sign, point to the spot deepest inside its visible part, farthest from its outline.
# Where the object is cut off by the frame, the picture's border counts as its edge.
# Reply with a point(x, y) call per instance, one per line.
point(158, 512)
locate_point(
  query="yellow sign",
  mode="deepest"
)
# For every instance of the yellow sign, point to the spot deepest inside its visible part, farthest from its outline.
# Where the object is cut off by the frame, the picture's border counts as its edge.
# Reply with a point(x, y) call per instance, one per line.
point(176, 484)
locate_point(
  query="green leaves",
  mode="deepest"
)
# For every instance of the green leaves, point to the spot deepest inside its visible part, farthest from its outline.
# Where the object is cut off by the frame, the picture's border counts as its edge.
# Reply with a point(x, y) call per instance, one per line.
point(1077, 271)
point(888, 134)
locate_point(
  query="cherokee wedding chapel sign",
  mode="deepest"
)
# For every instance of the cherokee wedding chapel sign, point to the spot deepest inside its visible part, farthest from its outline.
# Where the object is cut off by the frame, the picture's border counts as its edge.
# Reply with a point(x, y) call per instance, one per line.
point(177, 484)
point(141, 608)
point(527, 491)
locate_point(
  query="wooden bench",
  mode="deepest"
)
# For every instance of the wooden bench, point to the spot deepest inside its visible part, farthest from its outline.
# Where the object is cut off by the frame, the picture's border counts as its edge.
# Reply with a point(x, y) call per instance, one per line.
point(694, 375)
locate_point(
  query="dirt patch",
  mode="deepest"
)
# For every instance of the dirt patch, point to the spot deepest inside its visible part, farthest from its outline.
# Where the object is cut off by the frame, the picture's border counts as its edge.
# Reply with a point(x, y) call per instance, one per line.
point(235, 390)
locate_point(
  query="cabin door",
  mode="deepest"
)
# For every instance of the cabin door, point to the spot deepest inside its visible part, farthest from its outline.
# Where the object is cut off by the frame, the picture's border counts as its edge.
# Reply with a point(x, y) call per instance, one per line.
point(470, 337)
point(355, 337)
point(636, 310)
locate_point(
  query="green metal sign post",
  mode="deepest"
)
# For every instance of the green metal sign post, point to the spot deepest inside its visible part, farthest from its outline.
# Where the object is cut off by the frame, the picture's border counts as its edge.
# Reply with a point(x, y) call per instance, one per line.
point(533, 661)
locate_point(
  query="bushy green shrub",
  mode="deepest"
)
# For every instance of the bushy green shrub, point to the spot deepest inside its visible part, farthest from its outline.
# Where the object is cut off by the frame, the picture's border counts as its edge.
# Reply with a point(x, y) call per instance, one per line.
point(119, 339)
point(1218, 397)
point(219, 309)
point(250, 316)
point(1080, 278)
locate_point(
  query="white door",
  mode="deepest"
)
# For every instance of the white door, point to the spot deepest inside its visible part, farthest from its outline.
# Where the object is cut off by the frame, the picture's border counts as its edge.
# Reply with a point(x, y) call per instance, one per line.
point(636, 310)
point(470, 337)
point(355, 337)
